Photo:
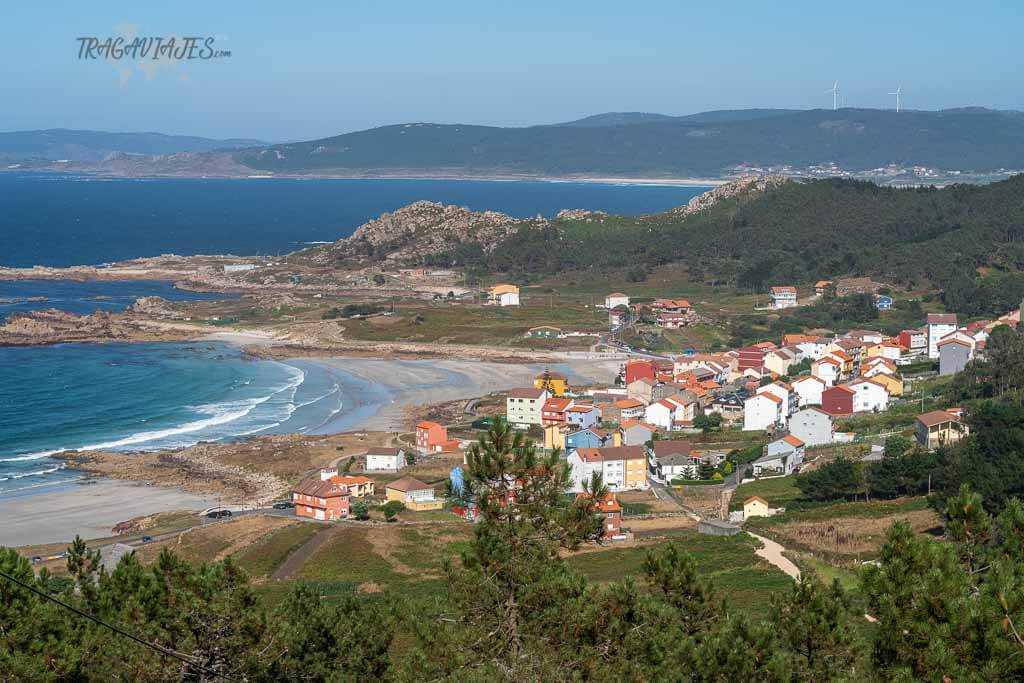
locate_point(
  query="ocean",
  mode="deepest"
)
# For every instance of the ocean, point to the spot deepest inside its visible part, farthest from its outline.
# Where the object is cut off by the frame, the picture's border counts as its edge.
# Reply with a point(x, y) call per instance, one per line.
point(159, 396)
point(63, 220)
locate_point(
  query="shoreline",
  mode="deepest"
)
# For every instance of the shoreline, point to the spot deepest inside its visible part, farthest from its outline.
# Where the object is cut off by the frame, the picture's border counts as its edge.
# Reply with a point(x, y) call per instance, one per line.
point(667, 181)
point(380, 397)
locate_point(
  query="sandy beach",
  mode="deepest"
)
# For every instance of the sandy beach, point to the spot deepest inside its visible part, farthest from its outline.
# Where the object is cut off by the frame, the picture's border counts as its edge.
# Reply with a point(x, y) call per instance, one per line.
point(88, 510)
point(413, 383)
point(384, 395)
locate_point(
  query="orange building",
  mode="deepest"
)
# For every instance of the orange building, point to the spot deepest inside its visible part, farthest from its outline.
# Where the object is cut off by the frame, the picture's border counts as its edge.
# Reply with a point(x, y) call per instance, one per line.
point(611, 513)
point(321, 497)
point(433, 438)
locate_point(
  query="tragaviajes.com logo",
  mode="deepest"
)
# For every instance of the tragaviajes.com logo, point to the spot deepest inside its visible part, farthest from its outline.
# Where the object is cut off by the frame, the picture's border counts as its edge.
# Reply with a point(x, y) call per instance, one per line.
point(129, 50)
point(152, 47)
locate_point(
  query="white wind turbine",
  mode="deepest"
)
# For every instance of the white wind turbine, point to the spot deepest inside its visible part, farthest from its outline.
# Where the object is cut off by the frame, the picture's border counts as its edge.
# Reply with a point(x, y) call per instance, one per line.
point(899, 91)
point(835, 95)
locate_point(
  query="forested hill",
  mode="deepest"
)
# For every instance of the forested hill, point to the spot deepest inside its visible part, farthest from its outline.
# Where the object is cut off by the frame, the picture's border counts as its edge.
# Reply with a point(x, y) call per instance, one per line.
point(712, 144)
point(60, 143)
point(965, 239)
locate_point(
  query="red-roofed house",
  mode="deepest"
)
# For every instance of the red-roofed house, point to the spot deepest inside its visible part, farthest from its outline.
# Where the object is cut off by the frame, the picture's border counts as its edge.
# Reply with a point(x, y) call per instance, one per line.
point(554, 411)
point(782, 297)
point(322, 497)
point(611, 514)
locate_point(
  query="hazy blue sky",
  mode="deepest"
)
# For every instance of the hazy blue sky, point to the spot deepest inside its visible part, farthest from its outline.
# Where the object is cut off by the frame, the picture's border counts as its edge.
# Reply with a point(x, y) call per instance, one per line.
point(306, 69)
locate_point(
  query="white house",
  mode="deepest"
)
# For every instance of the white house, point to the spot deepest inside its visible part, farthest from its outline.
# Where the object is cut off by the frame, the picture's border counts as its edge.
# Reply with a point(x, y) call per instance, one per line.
point(814, 348)
point(939, 325)
point(668, 412)
point(868, 395)
point(761, 411)
point(616, 299)
point(781, 390)
point(878, 366)
point(781, 457)
point(813, 426)
point(809, 389)
point(385, 459)
point(622, 467)
point(782, 297)
point(827, 370)
point(504, 295)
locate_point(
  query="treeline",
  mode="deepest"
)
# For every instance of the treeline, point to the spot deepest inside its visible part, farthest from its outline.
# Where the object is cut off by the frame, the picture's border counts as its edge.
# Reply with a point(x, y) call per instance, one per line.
point(965, 240)
point(512, 609)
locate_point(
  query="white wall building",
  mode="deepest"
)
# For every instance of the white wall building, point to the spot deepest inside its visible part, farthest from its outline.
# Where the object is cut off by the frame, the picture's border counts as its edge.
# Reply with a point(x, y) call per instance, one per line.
point(761, 411)
point(868, 395)
point(809, 390)
point(939, 325)
point(616, 299)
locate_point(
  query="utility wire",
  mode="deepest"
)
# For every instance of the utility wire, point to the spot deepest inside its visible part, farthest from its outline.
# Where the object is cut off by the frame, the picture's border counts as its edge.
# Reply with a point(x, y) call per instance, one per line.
point(145, 643)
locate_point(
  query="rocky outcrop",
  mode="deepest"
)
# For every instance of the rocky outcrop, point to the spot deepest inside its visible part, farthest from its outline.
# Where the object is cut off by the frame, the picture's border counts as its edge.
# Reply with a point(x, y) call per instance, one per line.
point(52, 326)
point(418, 230)
point(581, 215)
point(155, 307)
point(746, 186)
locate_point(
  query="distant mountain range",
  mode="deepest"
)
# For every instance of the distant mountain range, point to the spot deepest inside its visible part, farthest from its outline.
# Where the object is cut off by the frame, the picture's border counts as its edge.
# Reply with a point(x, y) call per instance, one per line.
point(711, 144)
point(94, 145)
point(909, 146)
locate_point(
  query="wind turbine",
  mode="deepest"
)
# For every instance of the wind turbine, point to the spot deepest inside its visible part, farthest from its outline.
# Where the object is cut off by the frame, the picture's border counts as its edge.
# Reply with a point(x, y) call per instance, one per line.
point(898, 92)
point(835, 95)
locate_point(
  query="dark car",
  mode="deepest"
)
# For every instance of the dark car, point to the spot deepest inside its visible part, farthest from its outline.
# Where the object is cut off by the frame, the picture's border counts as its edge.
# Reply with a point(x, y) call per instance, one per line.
point(283, 506)
point(147, 539)
point(217, 514)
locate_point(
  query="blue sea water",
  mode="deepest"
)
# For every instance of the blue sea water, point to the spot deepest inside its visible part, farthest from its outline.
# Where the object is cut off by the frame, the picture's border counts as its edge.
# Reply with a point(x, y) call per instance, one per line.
point(126, 397)
point(63, 220)
point(151, 396)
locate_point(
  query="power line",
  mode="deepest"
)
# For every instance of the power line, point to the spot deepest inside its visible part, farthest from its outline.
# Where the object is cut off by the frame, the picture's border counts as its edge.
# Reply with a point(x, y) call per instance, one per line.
point(145, 643)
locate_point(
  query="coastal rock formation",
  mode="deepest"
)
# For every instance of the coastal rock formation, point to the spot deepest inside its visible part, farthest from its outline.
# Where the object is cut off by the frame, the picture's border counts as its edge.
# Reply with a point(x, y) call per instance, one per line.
point(155, 307)
point(746, 186)
point(53, 326)
point(581, 215)
point(420, 229)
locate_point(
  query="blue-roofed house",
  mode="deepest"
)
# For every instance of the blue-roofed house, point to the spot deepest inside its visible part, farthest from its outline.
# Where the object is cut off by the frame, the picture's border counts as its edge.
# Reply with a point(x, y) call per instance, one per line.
point(592, 437)
point(883, 302)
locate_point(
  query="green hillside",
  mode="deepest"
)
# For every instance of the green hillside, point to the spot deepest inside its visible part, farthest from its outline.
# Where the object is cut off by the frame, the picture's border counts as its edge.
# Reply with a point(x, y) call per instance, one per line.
point(709, 144)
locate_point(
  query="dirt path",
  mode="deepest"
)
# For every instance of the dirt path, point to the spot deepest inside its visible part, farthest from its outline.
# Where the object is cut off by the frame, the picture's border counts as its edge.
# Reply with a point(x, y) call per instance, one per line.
point(296, 560)
point(772, 553)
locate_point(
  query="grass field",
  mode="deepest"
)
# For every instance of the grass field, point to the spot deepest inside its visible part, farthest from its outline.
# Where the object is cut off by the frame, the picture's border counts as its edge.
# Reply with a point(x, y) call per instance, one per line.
point(778, 492)
point(261, 558)
point(846, 532)
point(741, 577)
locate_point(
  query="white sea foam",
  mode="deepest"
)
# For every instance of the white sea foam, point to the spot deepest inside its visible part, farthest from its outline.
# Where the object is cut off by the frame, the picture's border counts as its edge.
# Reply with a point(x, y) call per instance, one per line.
point(218, 414)
point(8, 476)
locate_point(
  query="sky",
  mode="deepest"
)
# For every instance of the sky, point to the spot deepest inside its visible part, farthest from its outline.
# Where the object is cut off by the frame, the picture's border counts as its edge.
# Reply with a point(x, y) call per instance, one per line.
point(309, 69)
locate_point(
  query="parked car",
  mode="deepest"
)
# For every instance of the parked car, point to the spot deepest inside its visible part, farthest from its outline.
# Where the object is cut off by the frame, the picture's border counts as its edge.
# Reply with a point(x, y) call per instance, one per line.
point(217, 514)
point(147, 539)
point(284, 506)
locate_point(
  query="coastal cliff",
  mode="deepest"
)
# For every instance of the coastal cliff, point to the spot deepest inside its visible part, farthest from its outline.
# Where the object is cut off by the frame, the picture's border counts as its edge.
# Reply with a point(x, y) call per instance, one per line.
point(52, 326)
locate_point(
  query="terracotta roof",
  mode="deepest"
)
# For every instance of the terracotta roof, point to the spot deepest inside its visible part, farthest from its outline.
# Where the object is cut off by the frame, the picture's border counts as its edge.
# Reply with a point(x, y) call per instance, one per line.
point(936, 417)
point(556, 405)
point(628, 424)
point(407, 483)
point(792, 440)
point(585, 408)
point(503, 289)
point(318, 488)
point(611, 453)
point(766, 394)
point(946, 342)
point(628, 403)
point(809, 377)
point(606, 504)
point(352, 480)
point(525, 392)
point(842, 387)
point(941, 318)
point(830, 361)
point(666, 447)
point(426, 424)
point(783, 290)
point(758, 499)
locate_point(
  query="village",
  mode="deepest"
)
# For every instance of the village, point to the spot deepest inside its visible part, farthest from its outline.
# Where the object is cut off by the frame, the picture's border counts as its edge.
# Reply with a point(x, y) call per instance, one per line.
point(784, 401)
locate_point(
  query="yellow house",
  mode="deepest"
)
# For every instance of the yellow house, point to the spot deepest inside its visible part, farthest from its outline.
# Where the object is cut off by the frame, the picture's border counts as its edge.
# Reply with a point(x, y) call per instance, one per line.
point(554, 437)
point(892, 383)
point(756, 506)
point(555, 383)
point(414, 493)
point(886, 349)
point(635, 470)
point(503, 295)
